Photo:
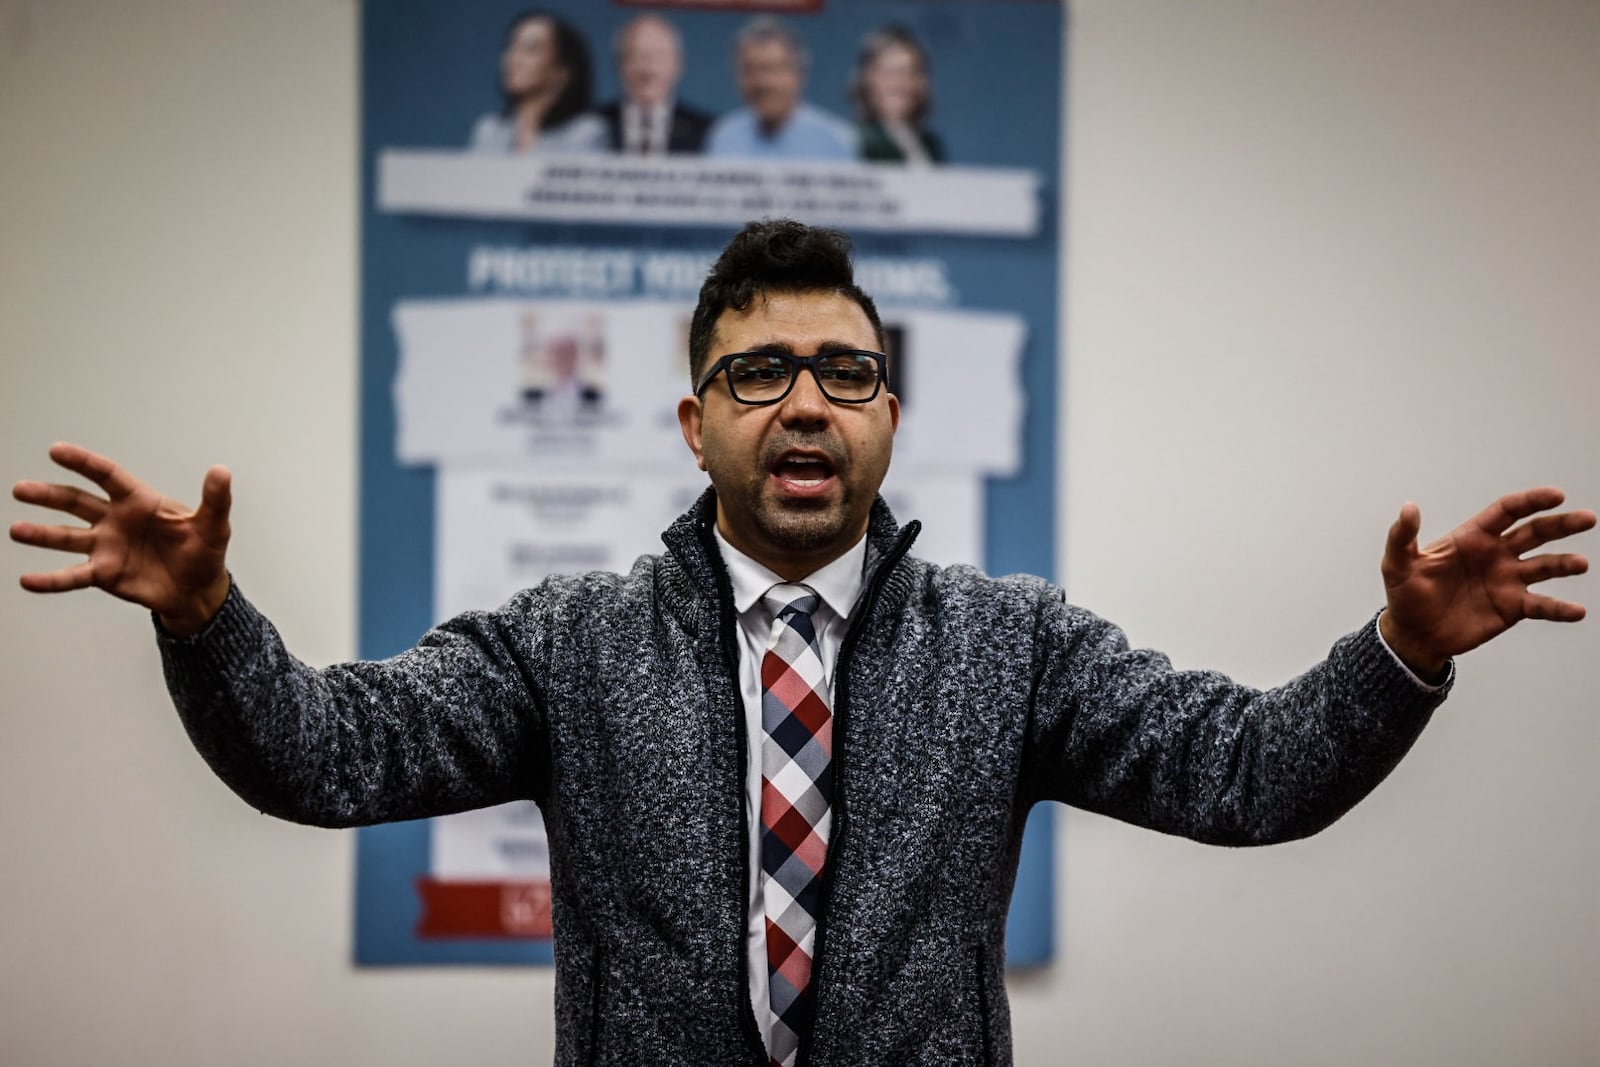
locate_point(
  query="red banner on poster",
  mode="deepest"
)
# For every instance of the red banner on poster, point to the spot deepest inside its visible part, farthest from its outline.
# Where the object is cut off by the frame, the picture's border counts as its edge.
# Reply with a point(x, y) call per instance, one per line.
point(484, 909)
point(776, 7)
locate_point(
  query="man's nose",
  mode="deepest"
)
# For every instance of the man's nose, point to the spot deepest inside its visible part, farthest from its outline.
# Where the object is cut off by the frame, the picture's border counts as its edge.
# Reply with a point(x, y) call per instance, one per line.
point(806, 404)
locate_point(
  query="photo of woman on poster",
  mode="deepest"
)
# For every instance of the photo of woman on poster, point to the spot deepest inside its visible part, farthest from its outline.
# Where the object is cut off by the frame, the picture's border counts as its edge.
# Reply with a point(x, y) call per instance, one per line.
point(546, 79)
point(892, 98)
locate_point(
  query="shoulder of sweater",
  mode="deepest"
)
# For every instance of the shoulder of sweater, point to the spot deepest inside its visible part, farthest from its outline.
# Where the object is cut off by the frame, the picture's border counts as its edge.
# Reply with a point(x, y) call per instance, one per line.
point(958, 583)
point(582, 586)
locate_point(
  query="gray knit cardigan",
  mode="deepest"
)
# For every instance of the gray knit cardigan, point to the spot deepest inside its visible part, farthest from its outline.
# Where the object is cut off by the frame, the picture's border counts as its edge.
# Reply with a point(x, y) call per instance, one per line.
point(613, 702)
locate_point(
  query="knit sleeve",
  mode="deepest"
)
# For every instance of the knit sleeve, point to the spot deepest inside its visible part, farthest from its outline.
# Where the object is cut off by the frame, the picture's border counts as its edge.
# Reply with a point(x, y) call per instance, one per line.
point(454, 723)
point(1120, 732)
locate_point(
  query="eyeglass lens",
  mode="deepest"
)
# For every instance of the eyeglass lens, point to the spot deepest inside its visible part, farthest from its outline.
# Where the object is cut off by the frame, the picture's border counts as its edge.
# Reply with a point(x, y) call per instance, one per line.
point(846, 376)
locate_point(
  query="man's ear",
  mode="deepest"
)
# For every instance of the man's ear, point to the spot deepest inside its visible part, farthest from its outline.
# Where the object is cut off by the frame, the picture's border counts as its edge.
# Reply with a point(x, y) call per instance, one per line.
point(894, 412)
point(690, 417)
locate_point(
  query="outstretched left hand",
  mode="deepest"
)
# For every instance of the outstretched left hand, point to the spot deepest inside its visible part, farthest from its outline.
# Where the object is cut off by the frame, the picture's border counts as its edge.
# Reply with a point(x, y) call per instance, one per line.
point(1472, 584)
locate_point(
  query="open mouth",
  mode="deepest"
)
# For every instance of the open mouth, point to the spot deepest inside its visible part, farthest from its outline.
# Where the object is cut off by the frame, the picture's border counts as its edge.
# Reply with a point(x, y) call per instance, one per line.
point(803, 474)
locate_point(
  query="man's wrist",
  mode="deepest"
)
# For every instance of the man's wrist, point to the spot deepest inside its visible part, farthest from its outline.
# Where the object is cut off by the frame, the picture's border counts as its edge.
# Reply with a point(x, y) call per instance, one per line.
point(192, 620)
point(1426, 664)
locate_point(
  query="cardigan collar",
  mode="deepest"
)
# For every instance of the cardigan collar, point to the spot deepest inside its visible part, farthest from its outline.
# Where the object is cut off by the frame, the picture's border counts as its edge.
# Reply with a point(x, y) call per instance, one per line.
point(692, 544)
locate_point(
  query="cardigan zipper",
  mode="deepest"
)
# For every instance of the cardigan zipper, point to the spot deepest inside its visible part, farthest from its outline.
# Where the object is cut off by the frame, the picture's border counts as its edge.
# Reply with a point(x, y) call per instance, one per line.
point(727, 638)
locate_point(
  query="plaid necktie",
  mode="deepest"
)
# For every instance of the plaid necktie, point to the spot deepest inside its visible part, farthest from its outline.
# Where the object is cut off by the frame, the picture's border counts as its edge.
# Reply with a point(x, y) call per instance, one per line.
point(796, 788)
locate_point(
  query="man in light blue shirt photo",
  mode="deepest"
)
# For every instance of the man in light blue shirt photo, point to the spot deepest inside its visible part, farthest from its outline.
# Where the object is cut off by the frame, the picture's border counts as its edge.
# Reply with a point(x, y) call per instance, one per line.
point(771, 61)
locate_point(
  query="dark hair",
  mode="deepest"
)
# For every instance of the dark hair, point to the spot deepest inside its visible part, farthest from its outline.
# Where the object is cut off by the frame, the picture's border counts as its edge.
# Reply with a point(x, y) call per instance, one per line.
point(871, 46)
point(572, 52)
point(773, 256)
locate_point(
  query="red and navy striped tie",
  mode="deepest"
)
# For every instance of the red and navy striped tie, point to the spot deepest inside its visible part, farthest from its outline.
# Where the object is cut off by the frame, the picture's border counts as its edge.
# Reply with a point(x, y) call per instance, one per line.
point(796, 812)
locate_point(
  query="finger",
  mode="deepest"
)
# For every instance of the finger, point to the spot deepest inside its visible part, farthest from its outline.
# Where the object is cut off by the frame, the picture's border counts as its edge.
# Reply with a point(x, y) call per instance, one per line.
point(68, 498)
point(1546, 528)
point(1402, 543)
point(1550, 609)
point(61, 538)
point(97, 468)
point(1498, 517)
point(62, 581)
point(1551, 565)
point(216, 500)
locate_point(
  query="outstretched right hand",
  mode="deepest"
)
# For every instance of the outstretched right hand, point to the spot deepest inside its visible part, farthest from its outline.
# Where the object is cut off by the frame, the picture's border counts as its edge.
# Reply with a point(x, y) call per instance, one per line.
point(141, 546)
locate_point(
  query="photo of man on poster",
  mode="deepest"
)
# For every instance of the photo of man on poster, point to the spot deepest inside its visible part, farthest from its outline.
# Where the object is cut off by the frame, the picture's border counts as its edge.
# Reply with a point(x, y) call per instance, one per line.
point(771, 62)
point(648, 119)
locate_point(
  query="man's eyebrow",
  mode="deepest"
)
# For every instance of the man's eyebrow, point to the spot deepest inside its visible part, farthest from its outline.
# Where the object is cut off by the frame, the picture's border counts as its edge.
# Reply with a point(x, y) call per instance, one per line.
point(787, 349)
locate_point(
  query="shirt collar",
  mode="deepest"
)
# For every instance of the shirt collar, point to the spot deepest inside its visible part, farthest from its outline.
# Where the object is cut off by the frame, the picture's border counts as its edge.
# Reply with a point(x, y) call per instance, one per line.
point(656, 111)
point(838, 584)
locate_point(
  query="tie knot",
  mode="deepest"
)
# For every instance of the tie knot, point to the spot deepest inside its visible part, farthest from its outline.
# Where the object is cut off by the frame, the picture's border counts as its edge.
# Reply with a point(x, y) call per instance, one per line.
point(786, 600)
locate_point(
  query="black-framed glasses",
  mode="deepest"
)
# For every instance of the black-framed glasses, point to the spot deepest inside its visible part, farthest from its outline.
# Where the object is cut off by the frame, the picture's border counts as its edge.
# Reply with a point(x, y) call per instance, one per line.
point(845, 376)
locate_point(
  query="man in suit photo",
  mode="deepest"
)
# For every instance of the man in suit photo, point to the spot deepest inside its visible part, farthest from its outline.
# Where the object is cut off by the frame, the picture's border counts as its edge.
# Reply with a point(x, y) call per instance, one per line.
point(648, 119)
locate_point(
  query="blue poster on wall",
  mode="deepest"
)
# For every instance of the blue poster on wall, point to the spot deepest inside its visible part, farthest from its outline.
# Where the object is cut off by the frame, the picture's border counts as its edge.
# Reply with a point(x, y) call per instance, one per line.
point(542, 196)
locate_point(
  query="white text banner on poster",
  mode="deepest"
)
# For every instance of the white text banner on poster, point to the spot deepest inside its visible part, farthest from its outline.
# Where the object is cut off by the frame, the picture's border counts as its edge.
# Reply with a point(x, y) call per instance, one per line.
point(979, 201)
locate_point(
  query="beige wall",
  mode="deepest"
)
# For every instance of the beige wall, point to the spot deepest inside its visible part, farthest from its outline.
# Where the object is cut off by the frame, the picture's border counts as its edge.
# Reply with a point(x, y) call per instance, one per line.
point(1323, 257)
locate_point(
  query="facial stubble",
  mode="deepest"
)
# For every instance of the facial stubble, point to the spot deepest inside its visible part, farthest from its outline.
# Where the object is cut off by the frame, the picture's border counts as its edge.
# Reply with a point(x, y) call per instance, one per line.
point(800, 526)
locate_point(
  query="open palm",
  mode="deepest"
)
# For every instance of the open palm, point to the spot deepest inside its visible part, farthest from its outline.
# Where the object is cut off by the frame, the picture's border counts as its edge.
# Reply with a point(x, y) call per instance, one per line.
point(1473, 583)
point(139, 545)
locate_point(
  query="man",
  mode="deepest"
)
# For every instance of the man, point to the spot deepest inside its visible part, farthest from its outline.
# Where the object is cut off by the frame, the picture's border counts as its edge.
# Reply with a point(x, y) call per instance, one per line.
point(556, 376)
point(770, 62)
point(648, 120)
point(785, 765)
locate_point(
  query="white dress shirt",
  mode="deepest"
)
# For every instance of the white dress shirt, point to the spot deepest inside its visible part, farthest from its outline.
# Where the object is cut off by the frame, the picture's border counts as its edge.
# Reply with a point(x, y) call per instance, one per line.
point(646, 130)
point(838, 584)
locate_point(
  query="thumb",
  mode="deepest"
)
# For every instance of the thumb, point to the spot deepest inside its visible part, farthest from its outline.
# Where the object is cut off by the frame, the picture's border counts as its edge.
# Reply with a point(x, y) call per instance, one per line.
point(1402, 543)
point(216, 499)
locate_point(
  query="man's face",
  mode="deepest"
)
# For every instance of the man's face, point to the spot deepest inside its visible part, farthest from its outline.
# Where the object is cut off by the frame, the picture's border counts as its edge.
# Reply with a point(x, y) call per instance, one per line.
point(562, 357)
point(770, 81)
point(795, 480)
point(649, 64)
